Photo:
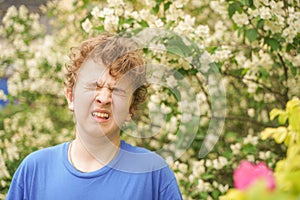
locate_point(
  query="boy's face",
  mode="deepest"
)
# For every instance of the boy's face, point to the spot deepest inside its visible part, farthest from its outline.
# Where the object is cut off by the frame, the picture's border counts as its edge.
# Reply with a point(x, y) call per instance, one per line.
point(100, 102)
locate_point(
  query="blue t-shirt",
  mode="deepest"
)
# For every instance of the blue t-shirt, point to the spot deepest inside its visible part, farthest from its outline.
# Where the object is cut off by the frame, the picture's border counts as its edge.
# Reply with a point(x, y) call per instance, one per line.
point(135, 174)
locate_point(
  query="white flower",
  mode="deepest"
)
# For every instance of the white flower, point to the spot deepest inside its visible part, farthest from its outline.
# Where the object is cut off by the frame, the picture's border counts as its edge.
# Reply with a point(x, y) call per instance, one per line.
point(268, 98)
point(165, 109)
point(3, 169)
point(155, 98)
point(219, 7)
point(95, 12)
point(65, 5)
point(19, 27)
point(182, 167)
point(191, 178)
point(198, 168)
point(221, 55)
point(250, 140)
point(178, 3)
point(251, 112)
point(19, 44)
point(150, 3)
point(277, 7)
point(159, 23)
point(265, 13)
point(264, 155)
point(7, 19)
point(203, 186)
point(188, 20)
point(34, 16)
point(87, 26)
point(240, 19)
point(173, 14)
point(235, 148)
point(223, 161)
point(208, 163)
point(202, 31)
point(253, 12)
point(157, 48)
point(250, 158)
point(3, 95)
point(289, 33)
point(115, 3)
point(23, 12)
point(171, 81)
point(223, 188)
point(111, 23)
point(264, 116)
point(186, 117)
point(106, 12)
point(274, 26)
point(11, 150)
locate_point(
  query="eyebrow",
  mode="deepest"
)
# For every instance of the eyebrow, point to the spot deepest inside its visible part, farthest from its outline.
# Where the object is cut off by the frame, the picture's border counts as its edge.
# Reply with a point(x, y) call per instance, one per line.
point(110, 86)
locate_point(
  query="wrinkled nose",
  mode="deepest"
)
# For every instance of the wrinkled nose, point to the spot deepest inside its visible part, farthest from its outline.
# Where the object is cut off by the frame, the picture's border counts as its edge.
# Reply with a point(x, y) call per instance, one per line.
point(103, 96)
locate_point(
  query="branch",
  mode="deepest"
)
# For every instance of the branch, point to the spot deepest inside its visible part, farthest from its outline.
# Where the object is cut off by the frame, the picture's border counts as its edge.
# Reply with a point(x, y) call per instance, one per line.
point(205, 92)
point(280, 95)
point(286, 77)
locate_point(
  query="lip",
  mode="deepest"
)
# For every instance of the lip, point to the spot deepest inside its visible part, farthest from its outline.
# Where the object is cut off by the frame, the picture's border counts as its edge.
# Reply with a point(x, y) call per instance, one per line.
point(100, 119)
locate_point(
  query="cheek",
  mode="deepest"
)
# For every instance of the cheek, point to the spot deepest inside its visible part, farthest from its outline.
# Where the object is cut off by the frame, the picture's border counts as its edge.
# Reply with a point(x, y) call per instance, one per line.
point(121, 109)
point(83, 102)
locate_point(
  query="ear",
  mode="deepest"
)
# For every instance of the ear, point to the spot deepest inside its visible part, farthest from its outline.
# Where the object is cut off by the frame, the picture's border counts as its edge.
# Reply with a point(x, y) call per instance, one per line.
point(69, 97)
point(131, 109)
point(128, 118)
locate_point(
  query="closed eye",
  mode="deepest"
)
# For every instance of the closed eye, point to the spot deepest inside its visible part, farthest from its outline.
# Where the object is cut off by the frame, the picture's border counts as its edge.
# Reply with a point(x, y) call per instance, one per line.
point(90, 86)
point(119, 91)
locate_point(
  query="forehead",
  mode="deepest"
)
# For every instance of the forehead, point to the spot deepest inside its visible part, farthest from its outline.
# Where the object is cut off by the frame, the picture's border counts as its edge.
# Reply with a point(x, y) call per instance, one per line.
point(92, 71)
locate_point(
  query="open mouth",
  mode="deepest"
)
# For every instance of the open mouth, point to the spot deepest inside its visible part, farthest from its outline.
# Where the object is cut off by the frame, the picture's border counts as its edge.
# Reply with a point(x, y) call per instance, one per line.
point(101, 115)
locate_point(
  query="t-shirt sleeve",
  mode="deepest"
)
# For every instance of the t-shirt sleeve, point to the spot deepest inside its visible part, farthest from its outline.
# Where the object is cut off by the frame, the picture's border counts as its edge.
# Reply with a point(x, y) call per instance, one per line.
point(169, 188)
point(16, 190)
point(171, 192)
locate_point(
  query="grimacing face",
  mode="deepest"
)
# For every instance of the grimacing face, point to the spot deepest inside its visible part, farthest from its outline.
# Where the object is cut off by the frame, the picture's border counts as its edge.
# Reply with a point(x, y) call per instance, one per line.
point(100, 102)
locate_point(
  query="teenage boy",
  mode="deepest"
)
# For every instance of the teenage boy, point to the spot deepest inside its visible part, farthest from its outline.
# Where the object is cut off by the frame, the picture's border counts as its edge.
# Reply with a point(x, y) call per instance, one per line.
point(105, 82)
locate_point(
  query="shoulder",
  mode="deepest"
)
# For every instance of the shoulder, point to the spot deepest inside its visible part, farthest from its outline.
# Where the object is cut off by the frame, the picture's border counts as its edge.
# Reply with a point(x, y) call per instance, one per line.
point(45, 155)
point(144, 160)
point(135, 149)
point(135, 159)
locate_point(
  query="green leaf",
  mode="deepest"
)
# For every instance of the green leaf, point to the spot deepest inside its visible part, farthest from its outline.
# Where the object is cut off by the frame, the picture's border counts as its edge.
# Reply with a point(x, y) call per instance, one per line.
point(293, 70)
point(207, 176)
point(251, 34)
point(155, 9)
point(129, 21)
point(274, 44)
point(99, 28)
point(263, 72)
point(177, 46)
point(246, 2)
point(260, 24)
point(167, 5)
point(249, 2)
point(233, 7)
point(144, 24)
point(215, 194)
point(244, 72)
point(289, 47)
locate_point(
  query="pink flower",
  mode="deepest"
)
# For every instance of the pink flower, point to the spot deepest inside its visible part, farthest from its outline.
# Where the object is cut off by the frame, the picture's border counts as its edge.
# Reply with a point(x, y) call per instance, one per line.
point(248, 173)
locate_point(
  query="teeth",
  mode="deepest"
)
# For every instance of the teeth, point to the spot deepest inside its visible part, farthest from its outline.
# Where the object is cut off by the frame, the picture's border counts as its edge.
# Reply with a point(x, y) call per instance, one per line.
point(98, 114)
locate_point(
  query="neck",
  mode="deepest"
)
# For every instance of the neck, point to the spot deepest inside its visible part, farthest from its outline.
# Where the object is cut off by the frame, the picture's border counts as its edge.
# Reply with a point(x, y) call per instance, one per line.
point(92, 154)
